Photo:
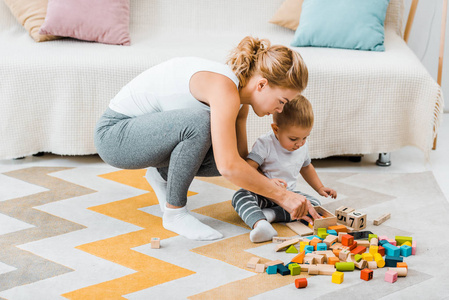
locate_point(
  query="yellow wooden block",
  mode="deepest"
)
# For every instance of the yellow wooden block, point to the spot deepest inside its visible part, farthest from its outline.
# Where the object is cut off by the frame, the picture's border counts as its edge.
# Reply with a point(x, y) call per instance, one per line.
point(337, 277)
point(373, 250)
point(302, 245)
point(407, 243)
point(379, 260)
point(367, 256)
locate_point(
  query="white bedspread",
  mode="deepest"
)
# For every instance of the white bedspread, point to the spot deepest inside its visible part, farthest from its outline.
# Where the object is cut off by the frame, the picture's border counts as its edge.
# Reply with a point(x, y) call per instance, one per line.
point(52, 93)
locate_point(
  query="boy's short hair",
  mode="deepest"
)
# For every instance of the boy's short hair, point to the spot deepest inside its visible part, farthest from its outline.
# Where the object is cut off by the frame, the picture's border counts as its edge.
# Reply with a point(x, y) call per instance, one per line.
point(297, 112)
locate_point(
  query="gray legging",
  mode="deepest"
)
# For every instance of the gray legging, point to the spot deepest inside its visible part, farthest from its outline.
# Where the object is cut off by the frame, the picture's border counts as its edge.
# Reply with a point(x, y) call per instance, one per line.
point(176, 142)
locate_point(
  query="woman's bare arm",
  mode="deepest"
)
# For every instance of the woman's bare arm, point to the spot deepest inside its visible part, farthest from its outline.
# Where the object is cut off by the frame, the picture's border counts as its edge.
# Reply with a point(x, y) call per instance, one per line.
point(221, 94)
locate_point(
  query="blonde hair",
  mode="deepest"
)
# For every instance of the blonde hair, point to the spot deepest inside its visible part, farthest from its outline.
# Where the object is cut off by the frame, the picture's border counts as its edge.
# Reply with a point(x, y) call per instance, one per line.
point(280, 65)
point(297, 112)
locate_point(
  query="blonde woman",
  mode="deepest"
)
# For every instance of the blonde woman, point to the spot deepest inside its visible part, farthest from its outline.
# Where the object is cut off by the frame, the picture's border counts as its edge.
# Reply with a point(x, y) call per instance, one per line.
point(186, 117)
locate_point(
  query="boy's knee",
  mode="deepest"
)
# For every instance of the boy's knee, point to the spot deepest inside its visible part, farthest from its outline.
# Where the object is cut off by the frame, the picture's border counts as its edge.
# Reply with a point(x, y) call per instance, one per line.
point(238, 195)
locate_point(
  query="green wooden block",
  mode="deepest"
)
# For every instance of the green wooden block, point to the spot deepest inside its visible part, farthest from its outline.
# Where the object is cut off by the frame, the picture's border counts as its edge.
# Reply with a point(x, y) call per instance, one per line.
point(322, 233)
point(295, 269)
point(370, 236)
point(402, 239)
point(357, 257)
point(292, 249)
point(345, 266)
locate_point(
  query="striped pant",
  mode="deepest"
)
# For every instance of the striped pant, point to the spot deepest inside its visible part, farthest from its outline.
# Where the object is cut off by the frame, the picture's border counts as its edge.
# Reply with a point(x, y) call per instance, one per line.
point(249, 207)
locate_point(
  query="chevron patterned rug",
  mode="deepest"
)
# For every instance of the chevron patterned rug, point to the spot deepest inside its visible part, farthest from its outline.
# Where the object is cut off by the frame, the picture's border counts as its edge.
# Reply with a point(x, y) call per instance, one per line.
point(85, 232)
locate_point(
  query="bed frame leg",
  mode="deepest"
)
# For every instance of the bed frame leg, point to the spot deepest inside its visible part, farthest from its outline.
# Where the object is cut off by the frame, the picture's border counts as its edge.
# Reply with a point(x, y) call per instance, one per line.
point(384, 160)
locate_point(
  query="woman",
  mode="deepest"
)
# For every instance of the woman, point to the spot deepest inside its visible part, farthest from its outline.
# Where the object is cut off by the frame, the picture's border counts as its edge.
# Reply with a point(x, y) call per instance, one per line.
point(187, 117)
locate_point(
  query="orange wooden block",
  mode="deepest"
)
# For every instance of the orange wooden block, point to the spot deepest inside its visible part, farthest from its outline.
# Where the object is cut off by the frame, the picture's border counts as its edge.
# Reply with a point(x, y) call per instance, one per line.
point(332, 260)
point(300, 283)
point(352, 247)
point(402, 265)
point(347, 240)
point(299, 258)
point(359, 250)
point(336, 252)
point(366, 274)
point(338, 228)
point(314, 242)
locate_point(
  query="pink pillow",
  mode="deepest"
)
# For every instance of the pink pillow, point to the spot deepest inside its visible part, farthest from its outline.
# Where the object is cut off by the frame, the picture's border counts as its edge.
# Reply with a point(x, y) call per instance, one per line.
point(104, 21)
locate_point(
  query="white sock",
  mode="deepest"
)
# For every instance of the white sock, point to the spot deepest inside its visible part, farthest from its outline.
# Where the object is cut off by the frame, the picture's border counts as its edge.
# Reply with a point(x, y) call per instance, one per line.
point(269, 214)
point(180, 221)
point(159, 186)
point(262, 232)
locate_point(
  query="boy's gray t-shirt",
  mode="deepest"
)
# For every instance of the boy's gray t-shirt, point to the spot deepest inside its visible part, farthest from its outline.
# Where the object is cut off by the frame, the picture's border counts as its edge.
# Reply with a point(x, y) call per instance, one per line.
point(277, 162)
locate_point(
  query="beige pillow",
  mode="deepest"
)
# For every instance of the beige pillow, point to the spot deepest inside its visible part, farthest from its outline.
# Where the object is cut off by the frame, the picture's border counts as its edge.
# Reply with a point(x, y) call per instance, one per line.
point(288, 14)
point(31, 15)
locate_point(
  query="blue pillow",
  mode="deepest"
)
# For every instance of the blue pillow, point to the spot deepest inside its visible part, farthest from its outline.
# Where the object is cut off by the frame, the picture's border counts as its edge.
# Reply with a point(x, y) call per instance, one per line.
point(347, 24)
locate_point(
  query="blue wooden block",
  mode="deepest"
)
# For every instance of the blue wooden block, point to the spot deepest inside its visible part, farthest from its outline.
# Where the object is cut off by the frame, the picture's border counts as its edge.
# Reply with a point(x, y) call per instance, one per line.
point(283, 270)
point(333, 232)
point(321, 247)
point(382, 242)
point(406, 250)
point(272, 269)
point(309, 249)
point(391, 250)
point(391, 261)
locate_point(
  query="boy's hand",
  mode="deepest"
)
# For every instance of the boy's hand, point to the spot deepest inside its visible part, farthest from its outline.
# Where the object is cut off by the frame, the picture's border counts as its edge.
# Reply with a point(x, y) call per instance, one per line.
point(279, 182)
point(326, 192)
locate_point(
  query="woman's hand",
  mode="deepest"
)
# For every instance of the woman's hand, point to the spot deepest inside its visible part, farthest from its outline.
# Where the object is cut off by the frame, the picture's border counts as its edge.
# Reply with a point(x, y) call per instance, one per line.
point(298, 206)
point(326, 192)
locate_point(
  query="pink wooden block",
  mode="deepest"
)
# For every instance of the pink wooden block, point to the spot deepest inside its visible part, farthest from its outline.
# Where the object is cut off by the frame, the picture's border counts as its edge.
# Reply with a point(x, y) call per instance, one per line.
point(391, 241)
point(383, 237)
point(413, 247)
point(391, 276)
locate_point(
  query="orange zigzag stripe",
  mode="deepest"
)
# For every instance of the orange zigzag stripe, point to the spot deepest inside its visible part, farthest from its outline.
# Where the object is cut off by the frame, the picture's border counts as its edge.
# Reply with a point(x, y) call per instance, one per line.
point(150, 271)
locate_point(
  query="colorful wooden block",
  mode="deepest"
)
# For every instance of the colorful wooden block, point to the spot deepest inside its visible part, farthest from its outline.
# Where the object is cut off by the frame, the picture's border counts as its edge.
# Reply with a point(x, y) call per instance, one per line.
point(299, 258)
point(379, 260)
point(391, 276)
point(342, 213)
point(345, 266)
point(322, 233)
point(309, 249)
point(366, 274)
point(273, 263)
point(381, 219)
point(381, 250)
point(357, 257)
point(338, 277)
point(367, 256)
point(347, 240)
point(332, 232)
point(392, 242)
point(391, 261)
point(155, 243)
point(332, 260)
point(302, 245)
point(391, 250)
point(253, 262)
point(371, 235)
point(323, 247)
point(358, 250)
point(301, 283)
point(405, 250)
point(402, 239)
point(356, 220)
point(272, 269)
point(413, 248)
point(353, 246)
point(383, 237)
point(330, 240)
point(292, 249)
point(283, 270)
point(295, 269)
point(260, 268)
point(402, 272)
point(314, 242)
point(338, 228)
point(407, 243)
point(401, 265)
point(373, 249)
point(286, 244)
point(372, 265)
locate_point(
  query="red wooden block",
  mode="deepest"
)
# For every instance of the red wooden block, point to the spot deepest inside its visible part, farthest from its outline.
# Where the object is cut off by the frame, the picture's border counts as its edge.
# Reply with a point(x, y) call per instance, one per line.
point(381, 250)
point(359, 250)
point(347, 240)
point(300, 283)
point(366, 274)
point(352, 247)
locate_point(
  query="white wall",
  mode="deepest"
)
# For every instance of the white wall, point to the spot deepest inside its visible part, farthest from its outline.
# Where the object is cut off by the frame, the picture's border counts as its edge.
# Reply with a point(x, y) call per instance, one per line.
point(424, 40)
